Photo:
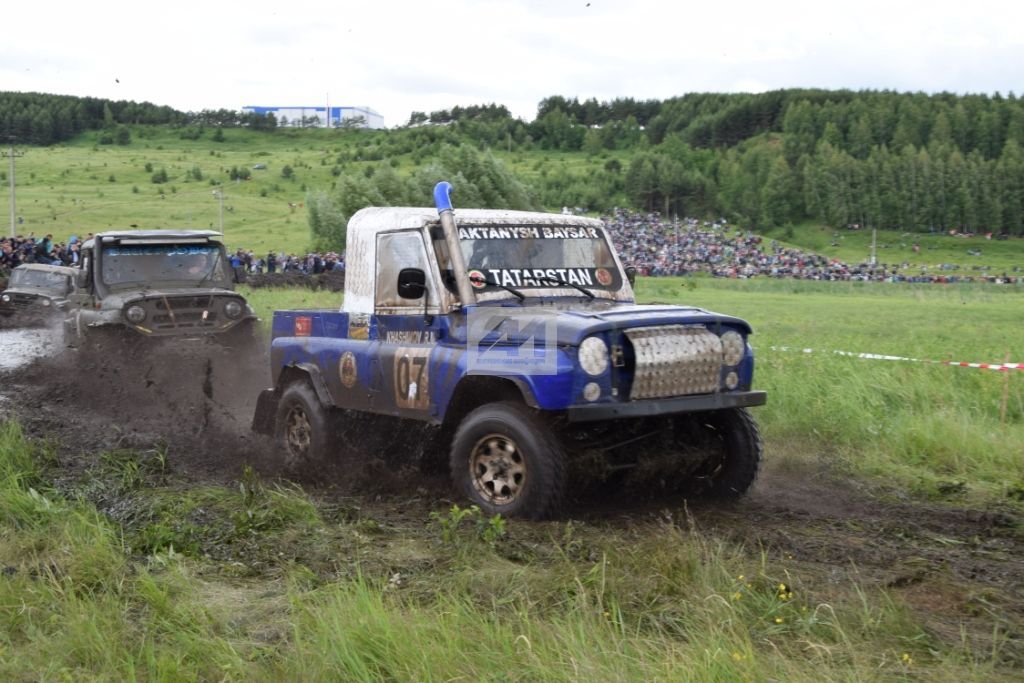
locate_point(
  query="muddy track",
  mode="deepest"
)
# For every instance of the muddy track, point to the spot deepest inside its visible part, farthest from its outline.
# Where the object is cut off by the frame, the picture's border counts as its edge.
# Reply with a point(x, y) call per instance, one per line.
point(954, 564)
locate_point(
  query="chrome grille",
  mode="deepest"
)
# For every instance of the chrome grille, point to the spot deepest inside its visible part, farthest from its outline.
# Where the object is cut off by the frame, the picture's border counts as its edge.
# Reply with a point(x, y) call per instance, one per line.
point(673, 360)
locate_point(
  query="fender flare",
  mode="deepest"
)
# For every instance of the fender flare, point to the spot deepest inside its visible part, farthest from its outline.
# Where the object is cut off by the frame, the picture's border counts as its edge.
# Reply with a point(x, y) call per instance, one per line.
point(312, 371)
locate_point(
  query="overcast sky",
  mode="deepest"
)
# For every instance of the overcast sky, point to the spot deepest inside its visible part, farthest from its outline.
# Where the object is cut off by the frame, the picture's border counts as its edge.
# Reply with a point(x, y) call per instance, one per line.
point(398, 56)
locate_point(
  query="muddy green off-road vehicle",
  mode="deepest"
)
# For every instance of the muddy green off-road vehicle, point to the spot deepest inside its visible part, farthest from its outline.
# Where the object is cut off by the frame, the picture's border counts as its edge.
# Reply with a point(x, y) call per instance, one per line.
point(138, 284)
point(36, 291)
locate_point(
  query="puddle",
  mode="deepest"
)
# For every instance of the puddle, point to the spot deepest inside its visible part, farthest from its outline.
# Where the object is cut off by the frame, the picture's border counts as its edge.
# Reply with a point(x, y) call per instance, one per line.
point(19, 347)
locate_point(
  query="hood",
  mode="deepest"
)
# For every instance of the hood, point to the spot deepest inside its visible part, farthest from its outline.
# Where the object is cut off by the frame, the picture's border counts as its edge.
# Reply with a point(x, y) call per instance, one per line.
point(572, 320)
point(120, 297)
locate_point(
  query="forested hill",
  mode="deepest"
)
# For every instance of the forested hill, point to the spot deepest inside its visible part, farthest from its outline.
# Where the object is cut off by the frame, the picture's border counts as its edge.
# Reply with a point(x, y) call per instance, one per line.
point(44, 119)
point(906, 161)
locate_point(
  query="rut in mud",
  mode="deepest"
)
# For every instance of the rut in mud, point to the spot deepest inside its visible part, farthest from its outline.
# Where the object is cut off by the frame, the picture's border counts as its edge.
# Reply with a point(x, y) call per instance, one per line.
point(955, 565)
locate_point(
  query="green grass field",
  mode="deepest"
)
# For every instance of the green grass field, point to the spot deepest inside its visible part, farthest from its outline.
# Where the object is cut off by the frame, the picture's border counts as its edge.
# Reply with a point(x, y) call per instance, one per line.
point(918, 425)
point(264, 581)
point(125, 569)
point(81, 187)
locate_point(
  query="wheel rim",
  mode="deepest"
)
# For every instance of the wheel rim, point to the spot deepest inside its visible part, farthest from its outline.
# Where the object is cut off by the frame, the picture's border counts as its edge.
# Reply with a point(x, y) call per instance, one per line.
point(497, 469)
point(298, 433)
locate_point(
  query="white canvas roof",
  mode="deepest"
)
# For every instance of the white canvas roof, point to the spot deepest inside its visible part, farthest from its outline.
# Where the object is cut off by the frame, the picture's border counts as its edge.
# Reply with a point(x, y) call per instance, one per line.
point(366, 224)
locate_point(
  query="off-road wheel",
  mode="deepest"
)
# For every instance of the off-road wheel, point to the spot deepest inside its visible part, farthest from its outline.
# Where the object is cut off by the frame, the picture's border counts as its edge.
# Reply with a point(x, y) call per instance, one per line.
point(302, 427)
point(507, 460)
point(733, 467)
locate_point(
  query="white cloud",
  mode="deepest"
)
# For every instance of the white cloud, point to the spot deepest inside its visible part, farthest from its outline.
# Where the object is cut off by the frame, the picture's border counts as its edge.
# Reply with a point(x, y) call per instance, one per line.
point(403, 56)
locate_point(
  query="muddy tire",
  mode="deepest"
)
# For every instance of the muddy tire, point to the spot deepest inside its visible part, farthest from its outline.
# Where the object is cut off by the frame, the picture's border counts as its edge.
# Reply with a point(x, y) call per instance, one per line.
point(507, 460)
point(733, 472)
point(302, 427)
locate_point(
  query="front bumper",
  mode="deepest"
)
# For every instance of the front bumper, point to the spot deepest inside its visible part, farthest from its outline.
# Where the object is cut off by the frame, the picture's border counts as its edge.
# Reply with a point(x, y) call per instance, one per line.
point(666, 406)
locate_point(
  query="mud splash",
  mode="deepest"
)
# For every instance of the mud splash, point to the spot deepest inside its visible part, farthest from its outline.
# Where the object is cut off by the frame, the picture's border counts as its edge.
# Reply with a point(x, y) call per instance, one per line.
point(21, 346)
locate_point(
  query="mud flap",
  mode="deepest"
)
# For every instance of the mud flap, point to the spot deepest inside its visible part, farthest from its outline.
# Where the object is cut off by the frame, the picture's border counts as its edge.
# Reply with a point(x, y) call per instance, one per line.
point(266, 413)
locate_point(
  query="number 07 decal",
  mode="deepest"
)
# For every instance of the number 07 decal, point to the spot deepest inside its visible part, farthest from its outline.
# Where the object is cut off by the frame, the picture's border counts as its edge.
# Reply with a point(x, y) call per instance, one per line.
point(412, 378)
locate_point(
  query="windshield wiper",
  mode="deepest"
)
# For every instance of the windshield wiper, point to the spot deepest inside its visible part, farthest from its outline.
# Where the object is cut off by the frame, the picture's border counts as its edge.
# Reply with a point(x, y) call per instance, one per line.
point(216, 262)
point(478, 278)
point(560, 281)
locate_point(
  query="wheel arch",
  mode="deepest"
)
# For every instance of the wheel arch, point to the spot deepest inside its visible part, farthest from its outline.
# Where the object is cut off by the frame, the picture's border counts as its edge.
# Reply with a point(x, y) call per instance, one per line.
point(472, 391)
point(305, 372)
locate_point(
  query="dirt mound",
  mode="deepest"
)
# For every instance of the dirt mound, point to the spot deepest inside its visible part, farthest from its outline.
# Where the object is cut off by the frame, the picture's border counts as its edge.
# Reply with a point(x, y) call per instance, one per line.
point(192, 398)
point(195, 398)
point(333, 280)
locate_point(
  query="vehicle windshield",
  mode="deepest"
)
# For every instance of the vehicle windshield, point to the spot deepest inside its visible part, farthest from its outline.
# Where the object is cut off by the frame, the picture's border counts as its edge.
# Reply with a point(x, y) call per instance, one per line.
point(148, 263)
point(538, 256)
point(23, 277)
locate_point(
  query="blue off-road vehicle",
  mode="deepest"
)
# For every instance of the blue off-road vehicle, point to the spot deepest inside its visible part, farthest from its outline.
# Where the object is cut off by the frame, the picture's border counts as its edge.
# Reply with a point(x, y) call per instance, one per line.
point(516, 334)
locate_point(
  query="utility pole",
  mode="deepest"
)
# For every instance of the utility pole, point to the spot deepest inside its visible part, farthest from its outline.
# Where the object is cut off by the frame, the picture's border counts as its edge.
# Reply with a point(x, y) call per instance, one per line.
point(874, 244)
point(10, 177)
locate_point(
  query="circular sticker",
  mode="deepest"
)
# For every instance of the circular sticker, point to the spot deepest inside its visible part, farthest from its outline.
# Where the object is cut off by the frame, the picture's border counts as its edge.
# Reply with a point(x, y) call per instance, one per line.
point(604, 278)
point(347, 369)
point(477, 279)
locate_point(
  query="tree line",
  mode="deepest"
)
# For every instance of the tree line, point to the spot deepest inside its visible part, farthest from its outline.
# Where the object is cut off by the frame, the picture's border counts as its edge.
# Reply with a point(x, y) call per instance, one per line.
point(44, 119)
point(907, 161)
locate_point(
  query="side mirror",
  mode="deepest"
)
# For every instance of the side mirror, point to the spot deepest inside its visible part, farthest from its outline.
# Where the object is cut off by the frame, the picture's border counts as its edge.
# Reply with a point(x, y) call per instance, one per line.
point(412, 283)
point(82, 279)
point(631, 275)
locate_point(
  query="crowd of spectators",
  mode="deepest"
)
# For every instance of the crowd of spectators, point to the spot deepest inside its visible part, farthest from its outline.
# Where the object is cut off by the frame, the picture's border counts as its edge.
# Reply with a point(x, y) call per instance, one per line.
point(654, 246)
point(684, 246)
point(311, 263)
point(15, 251)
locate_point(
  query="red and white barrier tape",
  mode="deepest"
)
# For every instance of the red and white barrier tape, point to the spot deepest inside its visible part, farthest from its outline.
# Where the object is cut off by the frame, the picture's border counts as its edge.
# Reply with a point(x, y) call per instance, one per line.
point(998, 367)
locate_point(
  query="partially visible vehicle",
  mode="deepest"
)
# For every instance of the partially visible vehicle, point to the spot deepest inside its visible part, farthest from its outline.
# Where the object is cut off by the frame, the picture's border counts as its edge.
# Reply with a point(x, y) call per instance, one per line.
point(139, 284)
point(36, 291)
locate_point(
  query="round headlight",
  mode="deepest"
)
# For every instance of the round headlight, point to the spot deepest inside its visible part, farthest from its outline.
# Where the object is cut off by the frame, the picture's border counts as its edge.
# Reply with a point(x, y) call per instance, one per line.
point(5, 298)
point(732, 348)
point(135, 314)
point(593, 355)
point(233, 309)
point(44, 302)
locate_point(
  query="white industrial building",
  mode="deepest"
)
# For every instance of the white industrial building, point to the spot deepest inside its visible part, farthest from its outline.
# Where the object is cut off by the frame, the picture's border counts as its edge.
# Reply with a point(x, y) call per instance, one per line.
point(325, 116)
